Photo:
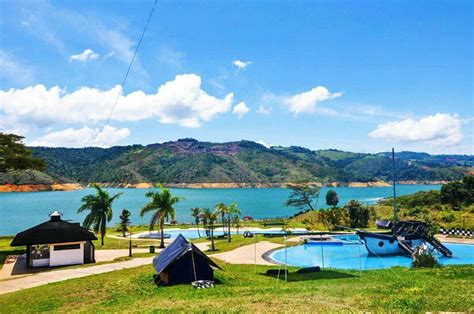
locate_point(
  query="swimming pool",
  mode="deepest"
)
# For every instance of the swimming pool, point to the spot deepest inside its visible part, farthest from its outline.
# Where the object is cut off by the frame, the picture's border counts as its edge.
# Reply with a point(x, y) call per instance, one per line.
point(356, 257)
point(192, 233)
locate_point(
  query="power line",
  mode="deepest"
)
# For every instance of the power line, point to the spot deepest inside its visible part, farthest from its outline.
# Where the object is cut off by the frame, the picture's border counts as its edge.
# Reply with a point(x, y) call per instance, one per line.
point(131, 62)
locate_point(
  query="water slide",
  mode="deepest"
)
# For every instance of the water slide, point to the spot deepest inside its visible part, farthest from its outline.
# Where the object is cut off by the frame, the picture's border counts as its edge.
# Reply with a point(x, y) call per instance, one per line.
point(405, 247)
point(438, 246)
point(409, 250)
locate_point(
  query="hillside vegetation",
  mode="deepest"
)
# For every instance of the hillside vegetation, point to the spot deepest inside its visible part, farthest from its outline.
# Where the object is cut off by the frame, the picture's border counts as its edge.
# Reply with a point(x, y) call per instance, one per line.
point(191, 161)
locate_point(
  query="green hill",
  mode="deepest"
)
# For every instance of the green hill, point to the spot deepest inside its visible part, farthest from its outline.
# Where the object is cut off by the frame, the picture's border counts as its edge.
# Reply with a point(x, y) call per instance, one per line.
point(191, 161)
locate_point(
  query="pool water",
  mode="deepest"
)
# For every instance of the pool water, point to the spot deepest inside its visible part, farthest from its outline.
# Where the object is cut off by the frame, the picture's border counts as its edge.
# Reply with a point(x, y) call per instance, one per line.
point(193, 233)
point(356, 257)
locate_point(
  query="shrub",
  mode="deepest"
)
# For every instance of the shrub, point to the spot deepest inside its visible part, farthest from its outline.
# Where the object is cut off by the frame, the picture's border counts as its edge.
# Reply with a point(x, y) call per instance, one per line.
point(424, 257)
point(358, 214)
point(448, 217)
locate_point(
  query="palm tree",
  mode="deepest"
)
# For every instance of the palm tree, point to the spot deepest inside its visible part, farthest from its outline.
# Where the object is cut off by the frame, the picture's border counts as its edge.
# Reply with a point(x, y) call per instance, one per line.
point(124, 221)
point(221, 209)
point(196, 213)
point(161, 205)
point(210, 218)
point(231, 210)
point(100, 206)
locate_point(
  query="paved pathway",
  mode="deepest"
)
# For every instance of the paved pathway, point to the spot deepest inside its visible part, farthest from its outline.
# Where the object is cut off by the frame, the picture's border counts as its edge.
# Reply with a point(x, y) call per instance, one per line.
point(42, 278)
point(39, 279)
point(248, 254)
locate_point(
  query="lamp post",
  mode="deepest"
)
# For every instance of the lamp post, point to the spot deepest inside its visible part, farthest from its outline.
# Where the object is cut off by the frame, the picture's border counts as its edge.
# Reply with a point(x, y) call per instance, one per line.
point(130, 242)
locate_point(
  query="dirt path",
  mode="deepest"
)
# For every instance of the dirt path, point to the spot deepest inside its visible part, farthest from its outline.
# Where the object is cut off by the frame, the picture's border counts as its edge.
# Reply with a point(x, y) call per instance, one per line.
point(30, 280)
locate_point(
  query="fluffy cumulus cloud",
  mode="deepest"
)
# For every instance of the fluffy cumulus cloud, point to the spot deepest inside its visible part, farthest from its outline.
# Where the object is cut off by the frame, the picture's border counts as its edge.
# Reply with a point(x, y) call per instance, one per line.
point(439, 129)
point(306, 102)
point(180, 101)
point(83, 137)
point(84, 56)
point(241, 65)
point(240, 109)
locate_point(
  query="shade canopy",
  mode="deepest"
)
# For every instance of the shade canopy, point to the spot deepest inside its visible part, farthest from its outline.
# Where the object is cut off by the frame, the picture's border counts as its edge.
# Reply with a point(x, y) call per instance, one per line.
point(55, 230)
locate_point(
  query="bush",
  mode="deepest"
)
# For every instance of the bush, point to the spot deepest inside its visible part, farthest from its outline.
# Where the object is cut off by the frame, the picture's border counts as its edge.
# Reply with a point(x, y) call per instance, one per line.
point(448, 217)
point(358, 214)
point(332, 217)
point(424, 257)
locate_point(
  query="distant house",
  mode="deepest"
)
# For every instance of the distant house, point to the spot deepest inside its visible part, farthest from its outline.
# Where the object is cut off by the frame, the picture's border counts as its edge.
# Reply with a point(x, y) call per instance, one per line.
point(182, 262)
point(56, 243)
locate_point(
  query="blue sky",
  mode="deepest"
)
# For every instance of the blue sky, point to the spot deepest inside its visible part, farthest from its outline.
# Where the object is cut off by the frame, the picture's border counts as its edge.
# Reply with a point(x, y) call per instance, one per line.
point(354, 75)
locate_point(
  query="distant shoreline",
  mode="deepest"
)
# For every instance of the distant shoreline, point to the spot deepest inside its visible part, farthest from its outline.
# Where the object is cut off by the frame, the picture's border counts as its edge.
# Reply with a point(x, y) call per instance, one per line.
point(147, 185)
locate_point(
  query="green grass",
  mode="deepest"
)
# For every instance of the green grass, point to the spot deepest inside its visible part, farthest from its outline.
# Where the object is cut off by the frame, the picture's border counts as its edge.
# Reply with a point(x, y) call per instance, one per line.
point(6, 249)
point(242, 290)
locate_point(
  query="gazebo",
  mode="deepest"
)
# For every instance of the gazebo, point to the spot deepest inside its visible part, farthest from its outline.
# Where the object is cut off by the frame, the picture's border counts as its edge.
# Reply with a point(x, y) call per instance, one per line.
point(56, 243)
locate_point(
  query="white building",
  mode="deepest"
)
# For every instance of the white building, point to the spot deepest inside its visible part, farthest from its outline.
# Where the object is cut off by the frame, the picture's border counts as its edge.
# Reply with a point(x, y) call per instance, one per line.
point(56, 243)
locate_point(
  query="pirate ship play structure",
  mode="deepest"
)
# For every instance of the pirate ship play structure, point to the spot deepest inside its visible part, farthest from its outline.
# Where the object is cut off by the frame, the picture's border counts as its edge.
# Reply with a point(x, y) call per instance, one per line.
point(404, 237)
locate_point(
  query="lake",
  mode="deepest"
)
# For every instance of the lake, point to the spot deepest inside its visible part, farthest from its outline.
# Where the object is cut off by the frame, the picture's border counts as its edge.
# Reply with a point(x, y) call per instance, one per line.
point(19, 211)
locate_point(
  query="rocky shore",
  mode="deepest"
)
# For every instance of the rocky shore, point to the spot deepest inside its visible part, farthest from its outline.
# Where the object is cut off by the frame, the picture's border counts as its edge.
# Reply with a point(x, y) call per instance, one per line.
point(204, 185)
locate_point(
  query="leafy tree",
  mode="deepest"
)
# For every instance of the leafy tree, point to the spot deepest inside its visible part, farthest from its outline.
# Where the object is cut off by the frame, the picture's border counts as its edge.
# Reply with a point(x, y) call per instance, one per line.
point(210, 217)
point(453, 194)
point(124, 221)
point(332, 199)
point(358, 214)
point(303, 195)
point(331, 218)
point(14, 155)
point(196, 213)
point(100, 207)
point(232, 211)
point(162, 206)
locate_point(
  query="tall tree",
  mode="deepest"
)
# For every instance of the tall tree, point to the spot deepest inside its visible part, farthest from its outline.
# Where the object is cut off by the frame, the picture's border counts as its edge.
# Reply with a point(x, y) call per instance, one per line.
point(14, 155)
point(232, 211)
point(196, 213)
point(358, 214)
point(210, 217)
point(100, 207)
point(162, 206)
point(332, 199)
point(222, 210)
point(124, 221)
point(303, 195)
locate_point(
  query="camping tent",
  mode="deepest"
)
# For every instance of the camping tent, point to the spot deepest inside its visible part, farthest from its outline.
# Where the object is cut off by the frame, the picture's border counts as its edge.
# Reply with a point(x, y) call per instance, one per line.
point(183, 262)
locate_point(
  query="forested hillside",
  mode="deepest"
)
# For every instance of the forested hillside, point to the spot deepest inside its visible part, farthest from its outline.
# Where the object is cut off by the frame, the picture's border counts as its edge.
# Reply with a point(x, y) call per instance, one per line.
point(191, 161)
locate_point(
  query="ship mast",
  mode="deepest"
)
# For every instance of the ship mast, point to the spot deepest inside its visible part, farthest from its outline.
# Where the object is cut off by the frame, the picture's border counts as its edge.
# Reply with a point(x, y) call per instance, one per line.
point(394, 191)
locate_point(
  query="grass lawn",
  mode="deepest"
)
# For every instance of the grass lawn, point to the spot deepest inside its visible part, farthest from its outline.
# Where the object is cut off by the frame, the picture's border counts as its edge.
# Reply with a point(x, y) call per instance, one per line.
point(397, 289)
point(6, 249)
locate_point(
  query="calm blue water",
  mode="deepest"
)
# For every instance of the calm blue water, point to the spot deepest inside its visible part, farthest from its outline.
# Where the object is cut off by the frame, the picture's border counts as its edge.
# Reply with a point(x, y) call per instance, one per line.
point(193, 233)
point(353, 256)
point(19, 211)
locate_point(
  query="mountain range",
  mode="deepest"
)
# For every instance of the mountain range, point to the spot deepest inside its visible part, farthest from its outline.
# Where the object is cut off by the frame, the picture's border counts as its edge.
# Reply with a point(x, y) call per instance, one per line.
point(192, 161)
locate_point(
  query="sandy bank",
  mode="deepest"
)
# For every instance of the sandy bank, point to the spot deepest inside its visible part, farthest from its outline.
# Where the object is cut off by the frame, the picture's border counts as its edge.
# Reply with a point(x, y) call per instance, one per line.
point(40, 187)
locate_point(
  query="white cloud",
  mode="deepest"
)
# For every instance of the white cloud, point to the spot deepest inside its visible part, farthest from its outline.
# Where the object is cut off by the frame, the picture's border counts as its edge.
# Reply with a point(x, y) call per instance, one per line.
point(306, 102)
point(13, 70)
point(240, 109)
point(264, 109)
point(83, 137)
point(261, 142)
point(110, 54)
point(241, 65)
point(84, 56)
point(180, 101)
point(440, 129)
